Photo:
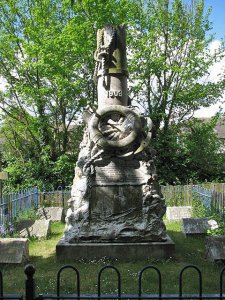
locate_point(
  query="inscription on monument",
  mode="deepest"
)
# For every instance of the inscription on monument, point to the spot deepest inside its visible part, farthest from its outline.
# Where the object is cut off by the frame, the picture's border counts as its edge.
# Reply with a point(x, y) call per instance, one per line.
point(113, 93)
point(120, 173)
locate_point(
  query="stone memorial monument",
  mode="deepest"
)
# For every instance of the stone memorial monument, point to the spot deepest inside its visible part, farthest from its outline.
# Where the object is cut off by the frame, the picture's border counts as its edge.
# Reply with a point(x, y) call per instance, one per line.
point(115, 200)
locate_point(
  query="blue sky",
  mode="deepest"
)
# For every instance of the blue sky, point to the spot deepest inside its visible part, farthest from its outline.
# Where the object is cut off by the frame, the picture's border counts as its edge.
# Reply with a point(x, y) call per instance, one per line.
point(217, 17)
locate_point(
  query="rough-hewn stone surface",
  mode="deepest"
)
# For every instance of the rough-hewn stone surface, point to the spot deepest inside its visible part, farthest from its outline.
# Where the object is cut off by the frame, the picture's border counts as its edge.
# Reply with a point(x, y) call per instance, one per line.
point(178, 212)
point(115, 195)
point(116, 210)
point(14, 251)
point(215, 248)
point(195, 226)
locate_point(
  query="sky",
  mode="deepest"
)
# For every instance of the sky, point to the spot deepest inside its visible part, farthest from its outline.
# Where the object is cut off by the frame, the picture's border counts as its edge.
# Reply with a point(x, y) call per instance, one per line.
point(217, 18)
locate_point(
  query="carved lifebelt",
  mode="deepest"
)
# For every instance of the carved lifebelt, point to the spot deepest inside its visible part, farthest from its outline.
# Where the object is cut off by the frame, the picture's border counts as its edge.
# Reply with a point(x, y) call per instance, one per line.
point(98, 137)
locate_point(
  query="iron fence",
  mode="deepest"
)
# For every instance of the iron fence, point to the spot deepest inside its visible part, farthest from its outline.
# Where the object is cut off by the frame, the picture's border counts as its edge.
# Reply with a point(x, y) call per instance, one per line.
point(29, 289)
point(212, 195)
point(14, 204)
point(212, 199)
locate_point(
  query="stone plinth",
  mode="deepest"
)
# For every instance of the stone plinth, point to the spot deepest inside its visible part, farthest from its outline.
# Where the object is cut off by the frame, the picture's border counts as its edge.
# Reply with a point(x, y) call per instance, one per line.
point(14, 251)
point(174, 213)
point(215, 248)
point(197, 226)
point(120, 251)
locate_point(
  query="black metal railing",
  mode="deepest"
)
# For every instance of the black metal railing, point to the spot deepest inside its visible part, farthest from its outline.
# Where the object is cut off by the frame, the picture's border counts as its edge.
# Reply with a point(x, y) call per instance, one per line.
point(29, 291)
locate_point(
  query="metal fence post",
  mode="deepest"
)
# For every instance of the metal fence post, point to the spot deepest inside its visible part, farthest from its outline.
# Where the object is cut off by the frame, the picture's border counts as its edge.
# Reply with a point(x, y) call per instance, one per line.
point(29, 282)
point(36, 197)
point(1, 285)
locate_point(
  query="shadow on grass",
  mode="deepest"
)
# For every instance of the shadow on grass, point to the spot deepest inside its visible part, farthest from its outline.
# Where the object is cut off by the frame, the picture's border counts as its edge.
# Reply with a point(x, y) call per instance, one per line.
point(190, 250)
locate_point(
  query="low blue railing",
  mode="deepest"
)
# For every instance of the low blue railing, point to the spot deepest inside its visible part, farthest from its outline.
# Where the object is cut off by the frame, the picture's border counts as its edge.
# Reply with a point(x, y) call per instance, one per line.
point(17, 202)
point(211, 199)
point(13, 204)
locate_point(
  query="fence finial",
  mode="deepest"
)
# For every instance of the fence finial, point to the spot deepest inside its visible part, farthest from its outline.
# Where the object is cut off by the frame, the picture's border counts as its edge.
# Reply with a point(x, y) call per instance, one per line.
point(29, 270)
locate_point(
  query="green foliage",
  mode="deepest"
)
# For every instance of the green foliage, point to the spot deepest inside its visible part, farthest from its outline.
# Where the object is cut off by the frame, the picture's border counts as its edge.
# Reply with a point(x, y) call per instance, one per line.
point(170, 60)
point(200, 211)
point(204, 150)
point(198, 208)
point(191, 151)
point(30, 214)
point(171, 157)
point(46, 50)
point(221, 225)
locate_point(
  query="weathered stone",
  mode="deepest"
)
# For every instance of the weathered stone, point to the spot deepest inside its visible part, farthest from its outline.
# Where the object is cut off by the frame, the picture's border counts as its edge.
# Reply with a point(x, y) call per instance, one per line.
point(115, 196)
point(215, 247)
point(14, 251)
point(51, 213)
point(178, 212)
point(39, 229)
point(111, 90)
point(195, 226)
point(120, 251)
point(24, 225)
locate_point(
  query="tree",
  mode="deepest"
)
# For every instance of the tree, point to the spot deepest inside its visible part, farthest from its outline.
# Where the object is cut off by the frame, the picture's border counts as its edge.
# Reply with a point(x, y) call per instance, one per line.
point(46, 60)
point(169, 67)
point(204, 150)
point(192, 151)
point(47, 82)
point(170, 60)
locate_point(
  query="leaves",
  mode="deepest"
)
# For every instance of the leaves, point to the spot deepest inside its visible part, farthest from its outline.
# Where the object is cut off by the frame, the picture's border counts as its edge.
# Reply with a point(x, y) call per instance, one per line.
point(170, 59)
point(46, 60)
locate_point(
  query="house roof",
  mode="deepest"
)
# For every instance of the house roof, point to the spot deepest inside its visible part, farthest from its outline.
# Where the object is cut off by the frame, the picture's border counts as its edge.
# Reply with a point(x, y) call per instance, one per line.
point(220, 128)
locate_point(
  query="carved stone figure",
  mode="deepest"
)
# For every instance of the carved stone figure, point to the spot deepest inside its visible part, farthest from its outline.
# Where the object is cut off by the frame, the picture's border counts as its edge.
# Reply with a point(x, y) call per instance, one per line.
point(115, 195)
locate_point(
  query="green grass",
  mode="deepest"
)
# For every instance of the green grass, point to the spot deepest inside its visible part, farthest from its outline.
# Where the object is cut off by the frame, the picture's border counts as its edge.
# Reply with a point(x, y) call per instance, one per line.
point(188, 251)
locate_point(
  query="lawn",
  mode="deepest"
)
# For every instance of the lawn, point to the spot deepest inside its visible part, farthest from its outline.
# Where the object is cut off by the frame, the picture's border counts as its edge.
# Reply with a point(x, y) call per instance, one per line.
point(188, 251)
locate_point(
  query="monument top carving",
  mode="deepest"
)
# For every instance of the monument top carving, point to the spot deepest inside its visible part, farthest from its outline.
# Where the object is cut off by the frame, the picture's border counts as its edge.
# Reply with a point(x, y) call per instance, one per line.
point(115, 195)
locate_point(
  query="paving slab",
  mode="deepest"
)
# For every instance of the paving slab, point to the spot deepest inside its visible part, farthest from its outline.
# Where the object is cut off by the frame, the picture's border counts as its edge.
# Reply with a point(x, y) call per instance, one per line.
point(39, 229)
point(51, 213)
point(197, 226)
point(174, 213)
point(14, 251)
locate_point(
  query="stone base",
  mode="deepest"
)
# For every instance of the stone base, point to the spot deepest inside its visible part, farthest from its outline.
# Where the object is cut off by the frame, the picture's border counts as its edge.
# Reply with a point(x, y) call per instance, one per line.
point(120, 251)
